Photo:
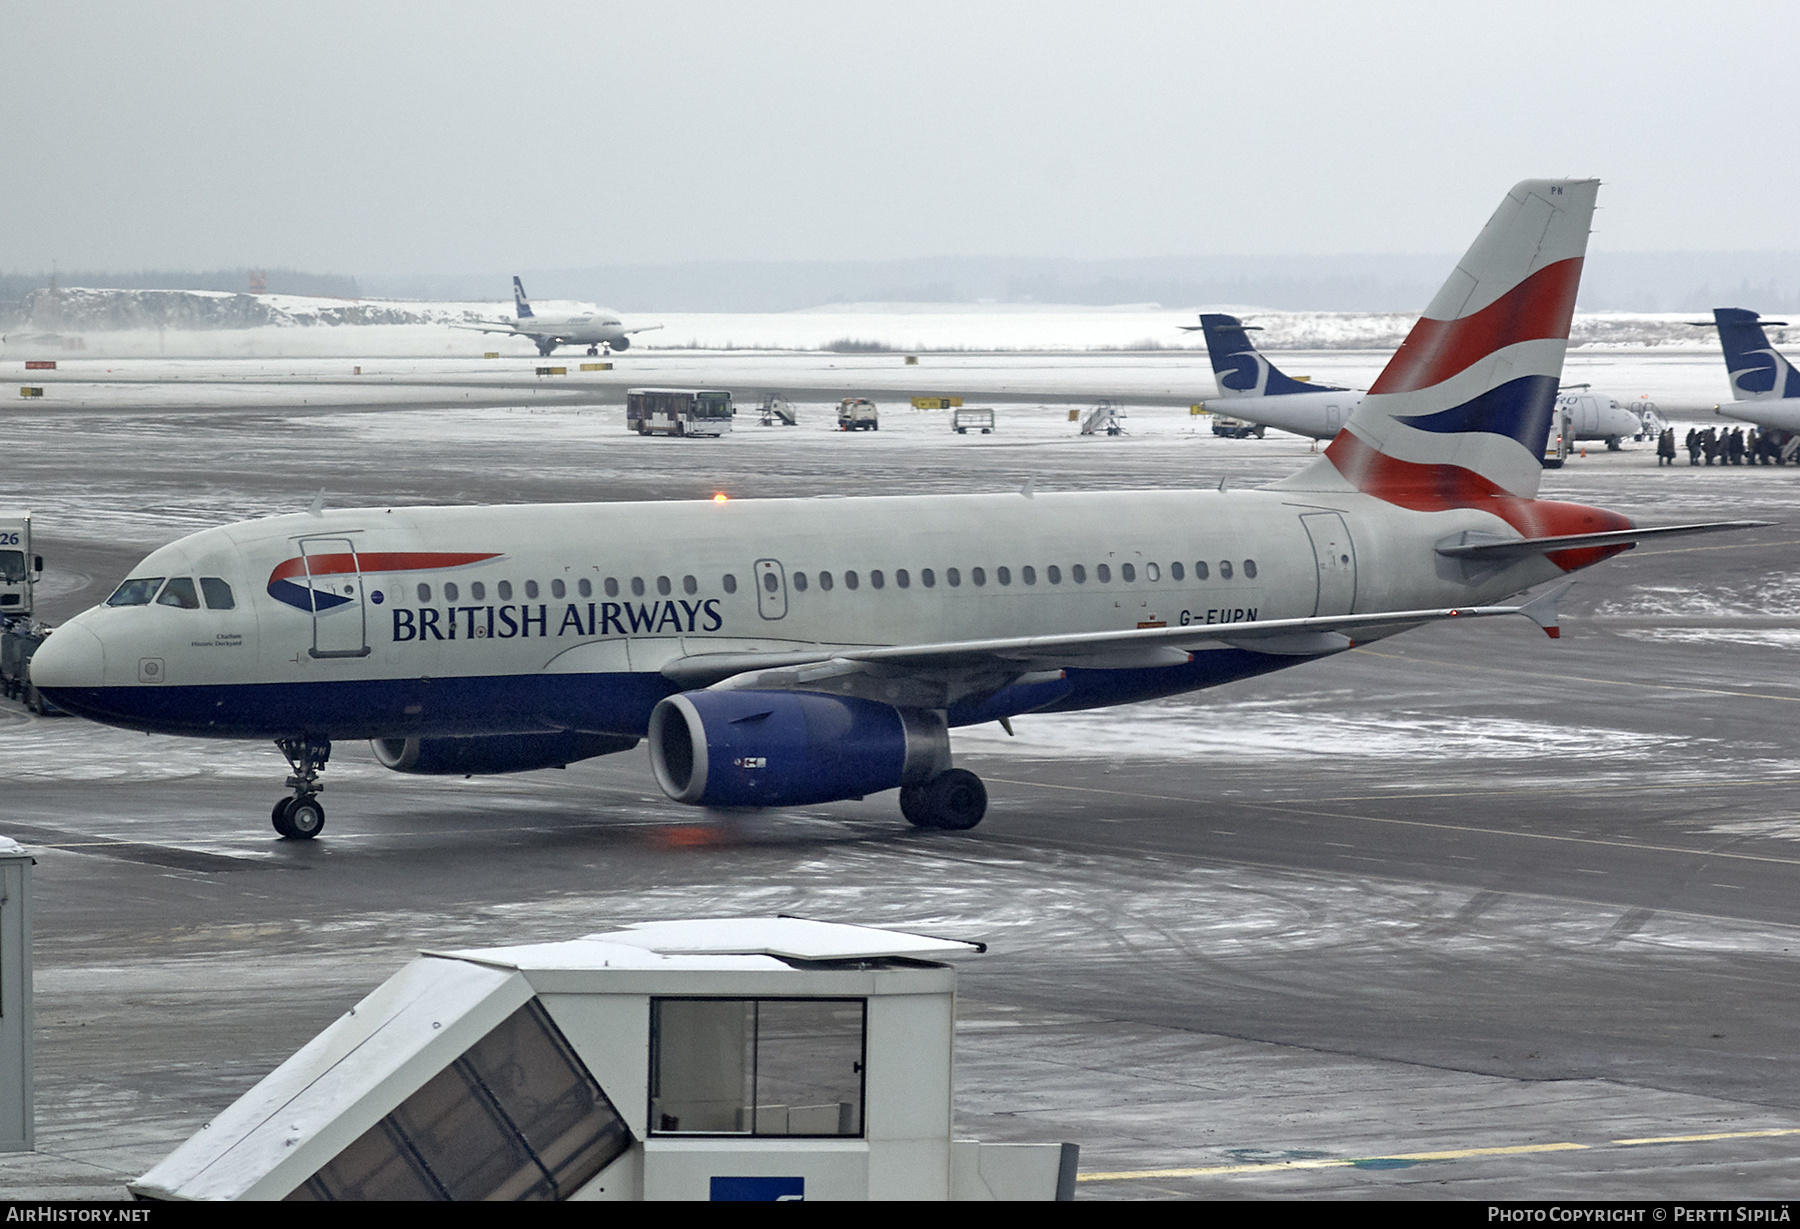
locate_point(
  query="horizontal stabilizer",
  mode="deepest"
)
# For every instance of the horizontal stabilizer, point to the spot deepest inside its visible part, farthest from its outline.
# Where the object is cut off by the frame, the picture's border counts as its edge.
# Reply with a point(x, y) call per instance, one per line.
point(1493, 547)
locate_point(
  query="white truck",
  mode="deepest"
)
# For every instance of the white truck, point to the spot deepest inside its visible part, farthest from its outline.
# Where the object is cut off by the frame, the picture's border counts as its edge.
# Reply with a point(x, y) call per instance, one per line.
point(20, 635)
point(858, 414)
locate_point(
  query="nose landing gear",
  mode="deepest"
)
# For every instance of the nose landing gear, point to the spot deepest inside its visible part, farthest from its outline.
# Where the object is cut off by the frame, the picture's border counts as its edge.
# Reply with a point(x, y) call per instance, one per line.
point(302, 817)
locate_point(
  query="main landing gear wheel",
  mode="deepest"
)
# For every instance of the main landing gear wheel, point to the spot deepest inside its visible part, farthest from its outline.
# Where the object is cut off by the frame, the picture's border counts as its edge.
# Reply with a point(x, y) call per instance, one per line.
point(593, 351)
point(954, 800)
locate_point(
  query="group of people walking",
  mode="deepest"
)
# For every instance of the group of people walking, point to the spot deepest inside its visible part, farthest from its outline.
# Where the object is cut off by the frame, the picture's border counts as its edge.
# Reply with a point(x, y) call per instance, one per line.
point(1736, 446)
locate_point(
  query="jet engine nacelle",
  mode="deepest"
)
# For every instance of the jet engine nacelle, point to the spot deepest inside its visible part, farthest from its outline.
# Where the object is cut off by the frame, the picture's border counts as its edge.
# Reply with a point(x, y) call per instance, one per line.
point(623, 343)
point(789, 748)
point(495, 753)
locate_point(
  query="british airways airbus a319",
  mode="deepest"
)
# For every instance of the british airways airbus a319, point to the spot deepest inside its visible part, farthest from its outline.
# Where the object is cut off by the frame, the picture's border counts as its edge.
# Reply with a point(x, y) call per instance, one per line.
point(787, 652)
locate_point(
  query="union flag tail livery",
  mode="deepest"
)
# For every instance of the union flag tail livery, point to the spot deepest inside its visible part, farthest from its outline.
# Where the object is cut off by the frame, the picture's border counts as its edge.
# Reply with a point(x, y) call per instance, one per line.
point(1461, 412)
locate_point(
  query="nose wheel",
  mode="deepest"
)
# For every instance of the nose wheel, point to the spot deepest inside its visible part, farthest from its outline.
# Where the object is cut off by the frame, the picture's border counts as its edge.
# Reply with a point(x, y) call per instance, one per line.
point(302, 816)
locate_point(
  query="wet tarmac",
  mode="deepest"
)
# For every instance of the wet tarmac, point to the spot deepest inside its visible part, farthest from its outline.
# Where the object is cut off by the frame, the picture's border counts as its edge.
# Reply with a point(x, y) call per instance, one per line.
point(1468, 913)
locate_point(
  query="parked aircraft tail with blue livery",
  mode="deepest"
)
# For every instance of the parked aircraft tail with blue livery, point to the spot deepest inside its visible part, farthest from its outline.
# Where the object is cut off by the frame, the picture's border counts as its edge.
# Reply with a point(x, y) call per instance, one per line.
point(788, 652)
point(1239, 368)
point(521, 304)
point(1765, 387)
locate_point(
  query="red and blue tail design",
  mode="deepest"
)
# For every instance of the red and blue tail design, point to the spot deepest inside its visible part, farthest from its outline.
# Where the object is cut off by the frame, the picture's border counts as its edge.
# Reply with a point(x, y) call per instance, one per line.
point(1462, 410)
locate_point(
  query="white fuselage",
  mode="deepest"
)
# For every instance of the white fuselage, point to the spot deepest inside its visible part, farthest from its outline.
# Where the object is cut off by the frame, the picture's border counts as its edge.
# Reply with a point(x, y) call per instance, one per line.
point(473, 620)
point(598, 327)
point(1321, 414)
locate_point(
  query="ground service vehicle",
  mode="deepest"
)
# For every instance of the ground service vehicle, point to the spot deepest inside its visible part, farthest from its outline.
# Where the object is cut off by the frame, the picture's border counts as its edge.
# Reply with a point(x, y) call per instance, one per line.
point(678, 411)
point(1236, 428)
point(964, 421)
point(858, 414)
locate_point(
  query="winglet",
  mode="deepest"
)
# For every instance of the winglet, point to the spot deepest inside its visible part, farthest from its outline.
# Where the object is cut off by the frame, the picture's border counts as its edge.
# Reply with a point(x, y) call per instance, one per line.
point(317, 508)
point(1541, 610)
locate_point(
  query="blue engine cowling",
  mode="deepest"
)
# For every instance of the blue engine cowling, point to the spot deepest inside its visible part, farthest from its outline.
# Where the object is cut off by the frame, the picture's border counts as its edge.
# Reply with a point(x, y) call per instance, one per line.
point(494, 753)
point(789, 748)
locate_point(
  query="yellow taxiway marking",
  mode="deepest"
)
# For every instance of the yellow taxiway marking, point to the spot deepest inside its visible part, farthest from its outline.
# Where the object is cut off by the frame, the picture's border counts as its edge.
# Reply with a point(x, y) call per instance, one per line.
point(1450, 1154)
point(1454, 1154)
point(1700, 1139)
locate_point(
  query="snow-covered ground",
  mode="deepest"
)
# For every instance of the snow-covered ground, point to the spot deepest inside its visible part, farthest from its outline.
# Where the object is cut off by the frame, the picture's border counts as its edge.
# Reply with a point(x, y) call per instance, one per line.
point(218, 325)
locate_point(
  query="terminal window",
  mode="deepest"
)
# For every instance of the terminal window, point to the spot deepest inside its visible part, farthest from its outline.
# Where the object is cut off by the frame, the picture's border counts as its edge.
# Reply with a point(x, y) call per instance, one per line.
point(765, 1067)
point(517, 1117)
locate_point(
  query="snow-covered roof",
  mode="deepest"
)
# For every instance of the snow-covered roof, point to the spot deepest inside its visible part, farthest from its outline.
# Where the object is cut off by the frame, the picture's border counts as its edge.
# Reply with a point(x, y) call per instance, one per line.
point(660, 945)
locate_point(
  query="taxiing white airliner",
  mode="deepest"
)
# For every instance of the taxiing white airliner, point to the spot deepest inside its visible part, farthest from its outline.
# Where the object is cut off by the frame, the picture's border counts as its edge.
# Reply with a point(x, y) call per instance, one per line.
point(594, 328)
point(1253, 389)
point(786, 652)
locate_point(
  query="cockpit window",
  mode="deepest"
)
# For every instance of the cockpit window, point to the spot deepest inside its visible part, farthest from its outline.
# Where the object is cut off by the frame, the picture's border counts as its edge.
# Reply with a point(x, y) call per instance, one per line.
point(179, 592)
point(136, 592)
point(12, 565)
point(218, 593)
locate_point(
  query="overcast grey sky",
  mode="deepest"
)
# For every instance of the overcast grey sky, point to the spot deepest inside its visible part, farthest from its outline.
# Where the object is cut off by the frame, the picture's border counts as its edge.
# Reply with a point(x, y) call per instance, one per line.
point(383, 138)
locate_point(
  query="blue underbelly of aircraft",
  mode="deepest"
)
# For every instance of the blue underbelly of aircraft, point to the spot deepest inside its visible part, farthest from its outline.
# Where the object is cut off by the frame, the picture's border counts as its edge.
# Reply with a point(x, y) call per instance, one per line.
point(599, 703)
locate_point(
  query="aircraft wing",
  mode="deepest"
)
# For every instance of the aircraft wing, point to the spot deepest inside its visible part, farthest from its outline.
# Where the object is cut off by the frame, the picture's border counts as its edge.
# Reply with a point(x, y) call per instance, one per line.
point(938, 674)
point(490, 326)
point(648, 328)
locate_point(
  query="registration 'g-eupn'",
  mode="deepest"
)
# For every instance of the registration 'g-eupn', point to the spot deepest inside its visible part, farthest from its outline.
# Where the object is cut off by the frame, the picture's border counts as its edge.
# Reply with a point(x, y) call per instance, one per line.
point(781, 652)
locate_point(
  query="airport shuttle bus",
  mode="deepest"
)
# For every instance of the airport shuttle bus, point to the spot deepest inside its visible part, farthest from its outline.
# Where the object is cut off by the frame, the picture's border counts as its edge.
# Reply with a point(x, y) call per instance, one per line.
point(788, 652)
point(678, 411)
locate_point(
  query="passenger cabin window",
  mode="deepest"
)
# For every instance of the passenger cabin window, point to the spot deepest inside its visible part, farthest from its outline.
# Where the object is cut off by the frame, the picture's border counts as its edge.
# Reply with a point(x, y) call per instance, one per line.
point(978, 575)
point(759, 1067)
point(689, 585)
point(1249, 569)
point(1224, 569)
point(876, 579)
point(825, 581)
point(637, 586)
point(902, 579)
point(799, 581)
point(771, 584)
point(663, 586)
point(928, 578)
point(477, 591)
point(1126, 572)
point(730, 583)
point(1053, 574)
point(217, 593)
point(558, 589)
point(1029, 573)
point(850, 580)
point(954, 577)
point(1102, 573)
point(612, 587)
point(136, 592)
point(1003, 575)
point(180, 593)
point(585, 587)
point(1078, 574)
point(424, 592)
point(531, 589)
point(1200, 571)
point(451, 592)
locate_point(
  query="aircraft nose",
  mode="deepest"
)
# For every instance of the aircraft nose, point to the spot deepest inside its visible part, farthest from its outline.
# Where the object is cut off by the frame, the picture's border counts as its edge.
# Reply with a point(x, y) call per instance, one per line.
point(72, 657)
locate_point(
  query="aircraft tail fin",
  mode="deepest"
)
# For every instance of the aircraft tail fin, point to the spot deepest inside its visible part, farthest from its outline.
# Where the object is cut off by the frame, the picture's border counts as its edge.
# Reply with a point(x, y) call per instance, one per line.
point(1241, 371)
point(1758, 371)
point(1462, 410)
point(520, 302)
